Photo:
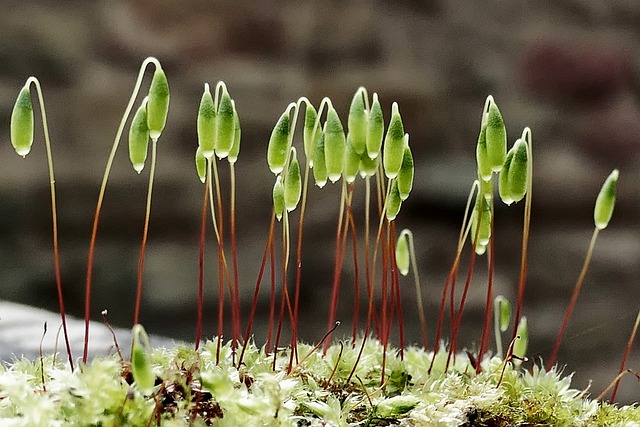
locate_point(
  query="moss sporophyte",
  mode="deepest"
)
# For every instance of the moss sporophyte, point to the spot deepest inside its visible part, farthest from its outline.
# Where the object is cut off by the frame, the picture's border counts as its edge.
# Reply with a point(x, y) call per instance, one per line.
point(359, 380)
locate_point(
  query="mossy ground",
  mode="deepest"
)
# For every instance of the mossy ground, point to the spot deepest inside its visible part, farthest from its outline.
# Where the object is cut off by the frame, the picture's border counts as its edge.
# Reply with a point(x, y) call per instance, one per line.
point(192, 389)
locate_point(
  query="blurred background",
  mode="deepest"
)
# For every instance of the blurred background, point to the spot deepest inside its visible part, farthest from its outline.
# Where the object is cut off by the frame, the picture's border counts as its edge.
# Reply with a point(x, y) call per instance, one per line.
point(568, 69)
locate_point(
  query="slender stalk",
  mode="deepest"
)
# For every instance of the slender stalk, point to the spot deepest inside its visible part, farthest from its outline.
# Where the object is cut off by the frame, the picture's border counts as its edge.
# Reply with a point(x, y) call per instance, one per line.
point(574, 298)
point(395, 284)
point(54, 216)
point(356, 279)
point(103, 187)
point(234, 250)
point(488, 310)
point(145, 233)
point(203, 229)
point(418, 287)
point(626, 356)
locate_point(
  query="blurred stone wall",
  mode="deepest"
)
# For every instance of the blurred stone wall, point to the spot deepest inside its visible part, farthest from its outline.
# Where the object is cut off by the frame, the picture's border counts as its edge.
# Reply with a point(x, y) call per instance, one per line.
point(568, 69)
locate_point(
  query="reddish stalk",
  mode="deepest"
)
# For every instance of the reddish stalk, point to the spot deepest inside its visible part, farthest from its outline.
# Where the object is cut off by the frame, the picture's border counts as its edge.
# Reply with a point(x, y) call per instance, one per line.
point(572, 303)
point(488, 310)
point(625, 357)
point(272, 293)
point(54, 217)
point(234, 251)
point(356, 280)
point(203, 230)
point(256, 292)
point(145, 233)
point(395, 284)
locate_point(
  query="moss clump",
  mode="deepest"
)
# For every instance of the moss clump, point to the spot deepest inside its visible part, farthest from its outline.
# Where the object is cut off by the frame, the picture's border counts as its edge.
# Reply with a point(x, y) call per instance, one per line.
point(191, 389)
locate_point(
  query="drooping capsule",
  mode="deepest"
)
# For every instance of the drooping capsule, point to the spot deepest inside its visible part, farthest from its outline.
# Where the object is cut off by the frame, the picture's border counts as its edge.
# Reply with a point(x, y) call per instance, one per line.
point(351, 162)
point(405, 176)
point(292, 183)
point(225, 126)
point(482, 158)
point(334, 145)
point(237, 133)
point(278, 148)
point(206, 123)
point(496, 137)
point(606, 201)
point(394, 203)
point(139, 137)
point(22, 122)
point(357, 121)
point(368, 166)
point(394, 142)
point(278, 197)
point(483, 227)
point(141, 367)
point(519, 171)
point(319, 166)
point(158, 106)
point(504, 189)
point(309, 138)
point(375, 128)
point(402, 253)
point(201, 165)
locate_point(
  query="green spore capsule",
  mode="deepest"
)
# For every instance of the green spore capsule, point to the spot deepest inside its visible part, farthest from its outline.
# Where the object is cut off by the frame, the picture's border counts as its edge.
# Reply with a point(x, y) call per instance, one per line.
point(368, 166)
point(158, 107)
point(375, 128)
point(278, 197)
point(402, 253)
point(225, 126)
point(320, 166)
point(606, 201)
point(141, 366)
point(352, 162)
point(504, 312)
point(22, 122)
point(237, 133)
point(278, 148)
point(206, 123)
point(482, 158)
point(496, 137)
point(357, 121)
point(519, 170)
point(201, 164)
point(292, 183)
point(310, 140)
point(484, 231)
point(394, 142)
point(335, 144)
point(405, 176)
point(503, 180)
point(522, 339)
point(139, 137)
point(394, 202)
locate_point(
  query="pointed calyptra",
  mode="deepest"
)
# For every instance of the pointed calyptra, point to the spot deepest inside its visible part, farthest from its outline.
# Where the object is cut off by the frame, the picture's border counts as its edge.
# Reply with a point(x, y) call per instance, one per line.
point(357, 121)
point(496, 137)
point(206, 123)
point(292, 183)
point(309, 139)
point(320, 166)
point(504, 189)
point(139, 137)
point(201, 164)
point(482, 158)
point(278, 197)
point(522, 340)
point(368, 166)
point(158, 107)
point(141, 367)
point(519, 170)
point(351, 162)
point(334, 145)
point(394, 202)
point(405, 176)
point(22, 122)
point(235, 149)
point(402, 253)
point(375, 128)
point(278, 148)
point(394, 142)
point(606, 201)
point(225, 126)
